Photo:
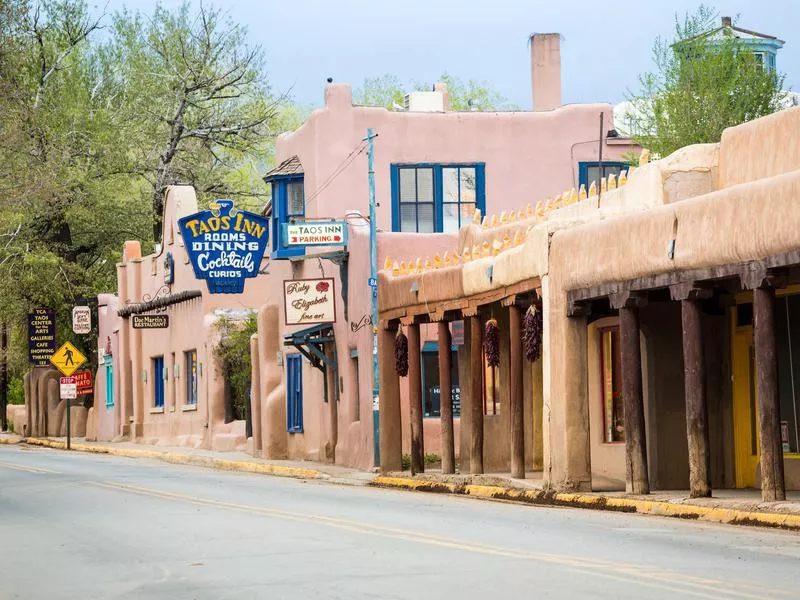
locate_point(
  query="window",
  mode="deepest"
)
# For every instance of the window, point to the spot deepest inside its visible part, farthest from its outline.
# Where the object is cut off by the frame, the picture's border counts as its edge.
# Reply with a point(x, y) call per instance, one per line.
point(356, 385)
point(759, 56)
point(288, 204)
point(431, 391)
point(109, 364)
point(436, 198)
point(158, 381)
point(294, 393)
point(611, 369)
point(191, 376)
point(590, 171)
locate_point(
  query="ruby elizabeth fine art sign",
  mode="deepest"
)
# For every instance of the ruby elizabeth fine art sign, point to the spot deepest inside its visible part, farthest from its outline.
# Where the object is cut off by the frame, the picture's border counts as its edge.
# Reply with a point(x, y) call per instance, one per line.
point(309, 301)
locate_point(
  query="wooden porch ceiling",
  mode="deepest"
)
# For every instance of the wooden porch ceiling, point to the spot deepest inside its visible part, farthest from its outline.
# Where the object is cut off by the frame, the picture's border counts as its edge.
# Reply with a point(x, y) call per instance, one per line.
point(775, 271)
point(455, 309)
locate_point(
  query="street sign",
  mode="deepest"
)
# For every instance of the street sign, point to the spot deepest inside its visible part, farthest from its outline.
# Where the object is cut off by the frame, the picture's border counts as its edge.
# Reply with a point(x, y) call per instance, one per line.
point(68, 359)
point(150, 321)
point(315, 233)
point(373, 282)
point(41, 336)
point(84, 381)
point(81, 320)
point(68, 388)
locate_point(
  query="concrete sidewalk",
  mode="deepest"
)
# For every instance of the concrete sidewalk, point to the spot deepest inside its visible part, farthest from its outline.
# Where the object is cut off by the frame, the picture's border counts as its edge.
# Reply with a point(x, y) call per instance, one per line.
point(736, 507)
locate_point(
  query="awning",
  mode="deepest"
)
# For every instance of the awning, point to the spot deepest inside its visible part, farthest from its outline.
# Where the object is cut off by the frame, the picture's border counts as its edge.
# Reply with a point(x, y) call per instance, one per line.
point(310, 343)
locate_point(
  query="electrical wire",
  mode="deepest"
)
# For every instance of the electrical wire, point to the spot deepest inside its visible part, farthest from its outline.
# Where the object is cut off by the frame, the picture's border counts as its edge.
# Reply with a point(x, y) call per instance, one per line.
point(336, 172)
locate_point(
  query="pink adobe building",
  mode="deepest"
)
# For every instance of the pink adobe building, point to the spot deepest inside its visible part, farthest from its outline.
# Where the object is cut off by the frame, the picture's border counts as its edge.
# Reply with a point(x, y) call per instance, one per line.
point(433, 168)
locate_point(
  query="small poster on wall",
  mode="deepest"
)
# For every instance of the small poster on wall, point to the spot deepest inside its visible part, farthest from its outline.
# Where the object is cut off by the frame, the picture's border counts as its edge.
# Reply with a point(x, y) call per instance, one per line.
point(309, 301)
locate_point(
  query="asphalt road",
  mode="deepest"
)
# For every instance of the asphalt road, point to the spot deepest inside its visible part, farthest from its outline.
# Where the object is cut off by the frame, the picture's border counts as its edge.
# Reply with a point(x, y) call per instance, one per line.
point(86, 526)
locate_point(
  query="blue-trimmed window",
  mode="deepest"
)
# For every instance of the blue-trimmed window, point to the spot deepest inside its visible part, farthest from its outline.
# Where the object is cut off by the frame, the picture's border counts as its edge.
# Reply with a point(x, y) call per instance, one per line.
point(158, 381)
point(109, 365)
point(589, 171)
point(294, 393)
point(190, 358)
point(288, 204)
point(428, 198)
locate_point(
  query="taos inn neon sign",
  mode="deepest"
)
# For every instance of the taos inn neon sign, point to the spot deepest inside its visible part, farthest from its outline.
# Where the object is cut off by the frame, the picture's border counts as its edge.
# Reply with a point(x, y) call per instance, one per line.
point(225, 246)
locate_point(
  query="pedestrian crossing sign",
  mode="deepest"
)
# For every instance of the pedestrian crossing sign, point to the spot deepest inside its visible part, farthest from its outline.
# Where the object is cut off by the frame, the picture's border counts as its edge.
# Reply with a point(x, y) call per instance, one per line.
point(68, 359)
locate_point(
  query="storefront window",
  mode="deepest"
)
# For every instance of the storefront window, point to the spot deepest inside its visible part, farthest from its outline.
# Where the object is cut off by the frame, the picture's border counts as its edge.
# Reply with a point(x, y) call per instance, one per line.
point(431, 390)
point(613, 414)
point(787, 324)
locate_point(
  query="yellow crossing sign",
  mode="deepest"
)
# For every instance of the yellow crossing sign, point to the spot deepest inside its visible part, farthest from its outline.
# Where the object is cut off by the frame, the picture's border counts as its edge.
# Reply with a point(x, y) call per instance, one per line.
point(68, 359)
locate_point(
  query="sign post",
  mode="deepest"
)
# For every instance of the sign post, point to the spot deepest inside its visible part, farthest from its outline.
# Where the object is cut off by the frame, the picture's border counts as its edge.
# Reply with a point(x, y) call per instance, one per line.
point(68, 359)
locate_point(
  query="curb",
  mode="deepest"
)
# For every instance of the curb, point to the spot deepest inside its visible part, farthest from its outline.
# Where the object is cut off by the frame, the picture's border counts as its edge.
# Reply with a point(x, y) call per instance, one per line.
point(727, 516)
point(10, 440)
point(183, 459)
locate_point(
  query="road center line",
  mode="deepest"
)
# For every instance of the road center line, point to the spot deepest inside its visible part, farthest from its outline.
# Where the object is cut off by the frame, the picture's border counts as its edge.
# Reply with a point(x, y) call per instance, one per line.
point(18, 467)
point(657, 578)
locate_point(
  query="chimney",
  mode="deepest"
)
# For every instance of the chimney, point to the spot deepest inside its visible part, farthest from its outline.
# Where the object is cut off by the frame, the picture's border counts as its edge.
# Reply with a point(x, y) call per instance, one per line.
point(546, 70)
point(442, 89)
point(726, 21)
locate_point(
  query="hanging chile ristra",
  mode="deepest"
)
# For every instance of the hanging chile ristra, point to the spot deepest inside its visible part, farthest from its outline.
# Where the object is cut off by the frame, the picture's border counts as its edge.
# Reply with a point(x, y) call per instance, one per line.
point(532, 333)
point(401, 353)
point(491, 343)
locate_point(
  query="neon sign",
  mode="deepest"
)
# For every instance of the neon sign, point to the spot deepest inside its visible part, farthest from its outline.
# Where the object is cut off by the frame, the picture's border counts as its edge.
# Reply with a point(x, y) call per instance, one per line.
point(225, 245)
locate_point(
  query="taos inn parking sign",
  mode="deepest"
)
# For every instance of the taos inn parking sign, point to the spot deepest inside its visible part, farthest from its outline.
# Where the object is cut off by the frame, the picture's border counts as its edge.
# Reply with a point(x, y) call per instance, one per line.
point(225, 246)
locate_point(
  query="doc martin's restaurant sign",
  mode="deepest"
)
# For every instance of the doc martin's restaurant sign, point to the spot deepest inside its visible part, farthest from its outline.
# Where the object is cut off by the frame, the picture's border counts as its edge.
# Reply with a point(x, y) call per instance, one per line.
point(225, 246)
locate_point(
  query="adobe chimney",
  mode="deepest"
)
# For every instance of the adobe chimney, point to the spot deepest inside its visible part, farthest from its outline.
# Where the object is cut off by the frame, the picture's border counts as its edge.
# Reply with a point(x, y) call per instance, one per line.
point(726, 21)
point(546, 70)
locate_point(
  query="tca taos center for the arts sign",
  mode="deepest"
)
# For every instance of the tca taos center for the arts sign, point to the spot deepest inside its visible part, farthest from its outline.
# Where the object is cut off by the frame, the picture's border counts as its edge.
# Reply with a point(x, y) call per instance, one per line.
point(309, 301)
point(41, 336)
point(225, 246)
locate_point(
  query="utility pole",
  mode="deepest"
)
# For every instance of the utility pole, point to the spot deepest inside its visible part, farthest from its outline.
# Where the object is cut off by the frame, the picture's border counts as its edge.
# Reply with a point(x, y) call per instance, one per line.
point(3, 376)
point(373, 281)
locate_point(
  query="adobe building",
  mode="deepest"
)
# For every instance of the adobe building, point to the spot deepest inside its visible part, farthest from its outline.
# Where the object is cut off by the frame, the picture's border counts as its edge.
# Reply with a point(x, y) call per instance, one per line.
point(669, 333)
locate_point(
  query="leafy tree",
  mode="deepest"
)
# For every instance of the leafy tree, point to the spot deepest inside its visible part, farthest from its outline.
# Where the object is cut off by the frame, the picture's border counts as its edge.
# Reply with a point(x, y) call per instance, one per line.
point(388, 91)
point(232, 355)
point(700, 86)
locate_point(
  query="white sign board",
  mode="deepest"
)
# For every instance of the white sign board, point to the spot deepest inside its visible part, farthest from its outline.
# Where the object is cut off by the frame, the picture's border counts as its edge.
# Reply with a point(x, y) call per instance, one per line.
point(81, 320)
point(69, 388)
point(322, 233)
point(309, 301)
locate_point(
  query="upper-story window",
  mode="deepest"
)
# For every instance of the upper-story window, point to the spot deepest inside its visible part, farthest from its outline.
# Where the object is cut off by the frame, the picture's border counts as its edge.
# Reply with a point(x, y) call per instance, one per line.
point(428, 198)
point(288, 204)
point(589, 171)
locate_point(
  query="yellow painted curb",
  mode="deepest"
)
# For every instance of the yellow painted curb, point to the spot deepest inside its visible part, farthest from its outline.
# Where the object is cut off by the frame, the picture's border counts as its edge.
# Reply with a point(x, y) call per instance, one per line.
point(598, 502)
point(10, 440)
point(186, 459)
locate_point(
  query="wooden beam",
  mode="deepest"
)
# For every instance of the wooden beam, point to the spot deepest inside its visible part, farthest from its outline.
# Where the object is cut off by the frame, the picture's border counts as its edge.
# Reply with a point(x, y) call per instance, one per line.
point(636, 476)
point(769, 408)
point(446, 400)
point(694, 374)
point(476, 395)
point(516, 417)
point(415, 400)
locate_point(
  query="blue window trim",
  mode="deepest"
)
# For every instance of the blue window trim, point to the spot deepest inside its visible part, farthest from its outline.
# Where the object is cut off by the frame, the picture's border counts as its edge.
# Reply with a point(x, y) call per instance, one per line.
point(280, 216)
point(158, 381)
point(583, 169)
point(438, 189)
point(191, 376)
point(109, 365)
point(294, 408)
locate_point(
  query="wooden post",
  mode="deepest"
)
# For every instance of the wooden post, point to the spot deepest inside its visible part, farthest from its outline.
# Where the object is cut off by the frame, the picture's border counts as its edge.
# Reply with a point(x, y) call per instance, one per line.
point(769, 408)
point(694, 373)
point(636, 477)
point(446, 399)
point(516, 417)
point(476, 395)
point(391, 433)
point(415, 400)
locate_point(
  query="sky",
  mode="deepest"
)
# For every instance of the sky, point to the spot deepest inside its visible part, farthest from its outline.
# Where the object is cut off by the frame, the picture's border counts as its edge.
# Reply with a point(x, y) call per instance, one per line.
point(604, 48)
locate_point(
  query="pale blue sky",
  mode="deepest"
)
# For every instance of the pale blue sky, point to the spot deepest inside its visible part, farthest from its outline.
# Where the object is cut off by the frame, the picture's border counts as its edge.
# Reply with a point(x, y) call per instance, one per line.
point(604, 48)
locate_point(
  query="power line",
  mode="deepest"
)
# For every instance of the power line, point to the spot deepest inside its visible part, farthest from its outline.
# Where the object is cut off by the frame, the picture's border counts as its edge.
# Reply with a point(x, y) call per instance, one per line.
point(337, 171)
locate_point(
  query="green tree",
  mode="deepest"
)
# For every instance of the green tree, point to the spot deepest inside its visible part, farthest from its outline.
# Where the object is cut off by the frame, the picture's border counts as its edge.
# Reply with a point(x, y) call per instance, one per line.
point(388, 91)
point(701, 84)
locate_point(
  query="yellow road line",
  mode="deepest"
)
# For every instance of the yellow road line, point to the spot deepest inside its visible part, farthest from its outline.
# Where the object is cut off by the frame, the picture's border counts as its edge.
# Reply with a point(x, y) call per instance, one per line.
point(629, 573)
point(18, 467)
